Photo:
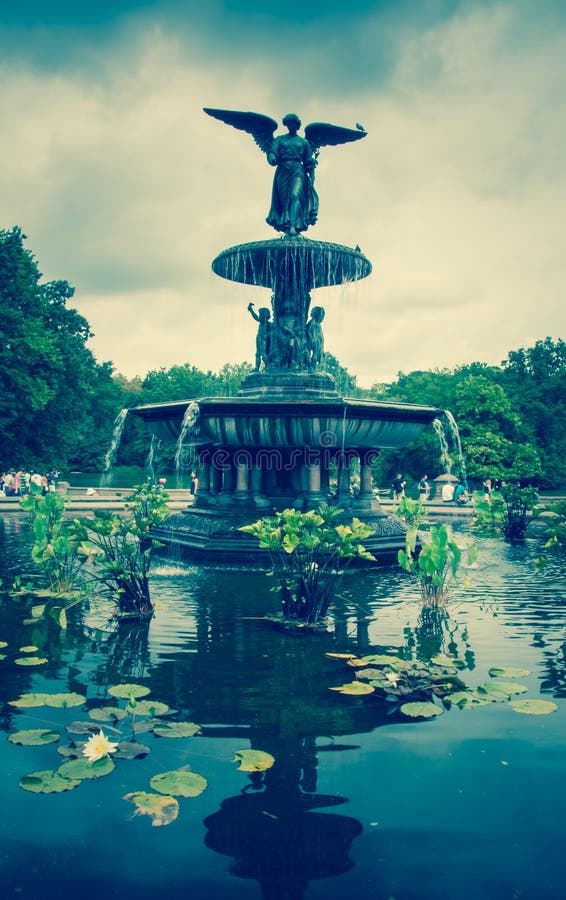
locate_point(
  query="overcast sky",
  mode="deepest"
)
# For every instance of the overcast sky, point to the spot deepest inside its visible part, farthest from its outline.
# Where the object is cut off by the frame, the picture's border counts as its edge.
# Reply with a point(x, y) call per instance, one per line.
point(457, 195)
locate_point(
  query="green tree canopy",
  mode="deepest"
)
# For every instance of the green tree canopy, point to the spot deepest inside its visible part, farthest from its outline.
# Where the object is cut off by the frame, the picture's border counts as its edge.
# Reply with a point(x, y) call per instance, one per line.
point(49, 378)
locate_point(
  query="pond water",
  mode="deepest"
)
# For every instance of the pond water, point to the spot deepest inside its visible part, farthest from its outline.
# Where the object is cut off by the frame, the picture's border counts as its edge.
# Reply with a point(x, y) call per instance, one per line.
point(359, 802)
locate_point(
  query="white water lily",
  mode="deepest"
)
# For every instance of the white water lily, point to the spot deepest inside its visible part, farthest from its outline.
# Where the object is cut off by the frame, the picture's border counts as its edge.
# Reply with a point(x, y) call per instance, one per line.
point(98, 746)
point(393, 677)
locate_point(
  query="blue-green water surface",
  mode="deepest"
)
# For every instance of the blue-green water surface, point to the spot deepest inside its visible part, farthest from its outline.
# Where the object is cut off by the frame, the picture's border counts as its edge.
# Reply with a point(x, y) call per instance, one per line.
point(359, 803)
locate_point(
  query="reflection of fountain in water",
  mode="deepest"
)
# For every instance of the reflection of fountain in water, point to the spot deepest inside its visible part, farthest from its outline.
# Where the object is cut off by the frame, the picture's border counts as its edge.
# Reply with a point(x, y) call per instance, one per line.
point(110, 457)
point(446, 460)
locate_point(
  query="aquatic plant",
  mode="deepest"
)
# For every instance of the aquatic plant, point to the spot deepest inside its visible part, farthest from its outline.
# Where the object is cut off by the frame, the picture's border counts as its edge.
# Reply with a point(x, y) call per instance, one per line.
point(508, 511)
point(119, 547)
point(309, 552)
point(98, 746)
point(55, 547)
point(412, 512)
point(425, 689)
point(435, 564)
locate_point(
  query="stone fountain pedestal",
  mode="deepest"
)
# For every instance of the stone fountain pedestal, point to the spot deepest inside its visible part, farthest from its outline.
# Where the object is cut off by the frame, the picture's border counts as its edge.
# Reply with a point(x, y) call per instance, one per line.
point(288, 439)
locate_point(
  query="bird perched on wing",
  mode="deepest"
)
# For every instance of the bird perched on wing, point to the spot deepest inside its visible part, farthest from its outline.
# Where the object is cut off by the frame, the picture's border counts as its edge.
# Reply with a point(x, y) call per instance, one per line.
point(360, 127)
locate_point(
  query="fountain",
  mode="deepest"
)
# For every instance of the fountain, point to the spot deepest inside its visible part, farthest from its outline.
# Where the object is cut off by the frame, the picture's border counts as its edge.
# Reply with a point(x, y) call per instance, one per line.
point(277, 442)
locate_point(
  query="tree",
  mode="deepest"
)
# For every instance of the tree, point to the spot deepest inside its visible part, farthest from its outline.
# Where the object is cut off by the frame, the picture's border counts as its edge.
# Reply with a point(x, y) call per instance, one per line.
point(536, 379)
point(49, 378)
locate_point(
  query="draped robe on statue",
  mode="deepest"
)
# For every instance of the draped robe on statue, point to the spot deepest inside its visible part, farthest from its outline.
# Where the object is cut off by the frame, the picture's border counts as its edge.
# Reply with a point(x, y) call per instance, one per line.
point(294, 201)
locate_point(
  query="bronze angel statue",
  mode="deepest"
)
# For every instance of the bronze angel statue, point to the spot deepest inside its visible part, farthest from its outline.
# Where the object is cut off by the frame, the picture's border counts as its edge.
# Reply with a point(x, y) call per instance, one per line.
point(294, 201)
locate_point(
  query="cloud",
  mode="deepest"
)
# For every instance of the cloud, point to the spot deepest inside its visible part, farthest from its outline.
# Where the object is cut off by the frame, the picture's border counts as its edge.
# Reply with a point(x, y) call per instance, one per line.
point(129, 191)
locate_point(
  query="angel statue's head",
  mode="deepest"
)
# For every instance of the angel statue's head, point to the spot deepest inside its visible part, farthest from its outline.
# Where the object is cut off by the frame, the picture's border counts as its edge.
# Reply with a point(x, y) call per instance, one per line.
point(292, 121)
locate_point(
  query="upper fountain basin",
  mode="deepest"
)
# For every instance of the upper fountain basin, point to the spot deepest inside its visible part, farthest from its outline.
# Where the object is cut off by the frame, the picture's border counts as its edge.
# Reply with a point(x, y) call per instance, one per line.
point(292, 260)
point(243, 422)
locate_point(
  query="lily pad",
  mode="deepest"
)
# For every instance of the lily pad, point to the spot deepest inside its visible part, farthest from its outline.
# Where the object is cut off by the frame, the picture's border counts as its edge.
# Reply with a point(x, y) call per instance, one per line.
point(381, 659)
point(3, 643)
point(130, 750)
point(27, 701)
point(83, 770)
point(107, 713)
point(533, 707)
point(509, 672)
point(336, 655)
point(143, 726)
point(510, 687)
point(355, 688)
point(30, 648)
point(492, 692)
point(31, 661)
point(369, 673)
point(177, 729)
point(64, 701)
point(82, 728)
point(442, 660)
point(148, 708)
point(48, 782)
point(37, 611)
point(125, 691)
point(34, 737)
point(424, 710)
point(163, 810)
point(179, 783)
point(466, 699)
point(253, 760)
point(71, 751)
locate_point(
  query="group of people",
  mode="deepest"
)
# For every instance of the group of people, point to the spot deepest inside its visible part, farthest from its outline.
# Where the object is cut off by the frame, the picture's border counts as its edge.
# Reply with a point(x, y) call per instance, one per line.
point(161, 484)
point(18, 482)
point(452, 492)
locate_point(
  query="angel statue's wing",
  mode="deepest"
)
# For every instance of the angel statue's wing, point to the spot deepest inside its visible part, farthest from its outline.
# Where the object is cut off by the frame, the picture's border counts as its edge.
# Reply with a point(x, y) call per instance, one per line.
point(260, 127)
point(320, 134)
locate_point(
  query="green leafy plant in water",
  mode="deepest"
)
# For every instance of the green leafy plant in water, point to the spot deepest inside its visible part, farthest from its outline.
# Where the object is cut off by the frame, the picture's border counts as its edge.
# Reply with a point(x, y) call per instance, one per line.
point(508, 511)
point(555, 531)
point(422, 689)
point(55, 547)
point(309, 552)
point(412, 512)
point(435, 564)
point(119, 548)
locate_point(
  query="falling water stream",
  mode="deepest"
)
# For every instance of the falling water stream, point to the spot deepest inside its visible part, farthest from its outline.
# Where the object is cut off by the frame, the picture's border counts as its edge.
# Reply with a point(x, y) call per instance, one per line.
point(110, 457)
point(446, 460)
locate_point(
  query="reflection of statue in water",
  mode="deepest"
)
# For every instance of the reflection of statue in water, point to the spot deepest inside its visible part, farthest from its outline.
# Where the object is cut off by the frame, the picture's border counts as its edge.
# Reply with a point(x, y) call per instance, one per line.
point(294, 202)
point(272, 832)
point(262, 341)
point(315, 337)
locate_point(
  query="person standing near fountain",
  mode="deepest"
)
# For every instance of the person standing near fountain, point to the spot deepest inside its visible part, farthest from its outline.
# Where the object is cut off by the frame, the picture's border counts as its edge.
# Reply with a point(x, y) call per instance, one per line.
point(398, 487)
point(294, 201)
point(424, 489)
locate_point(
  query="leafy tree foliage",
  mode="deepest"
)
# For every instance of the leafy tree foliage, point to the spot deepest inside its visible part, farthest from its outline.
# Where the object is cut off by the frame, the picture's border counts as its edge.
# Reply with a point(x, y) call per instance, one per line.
point(49, 378)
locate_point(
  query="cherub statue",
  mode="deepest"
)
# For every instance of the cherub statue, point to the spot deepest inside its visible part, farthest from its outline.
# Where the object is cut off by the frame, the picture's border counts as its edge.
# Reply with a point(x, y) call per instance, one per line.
point(315, 337)
point(262, 340)
point(294, 201)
